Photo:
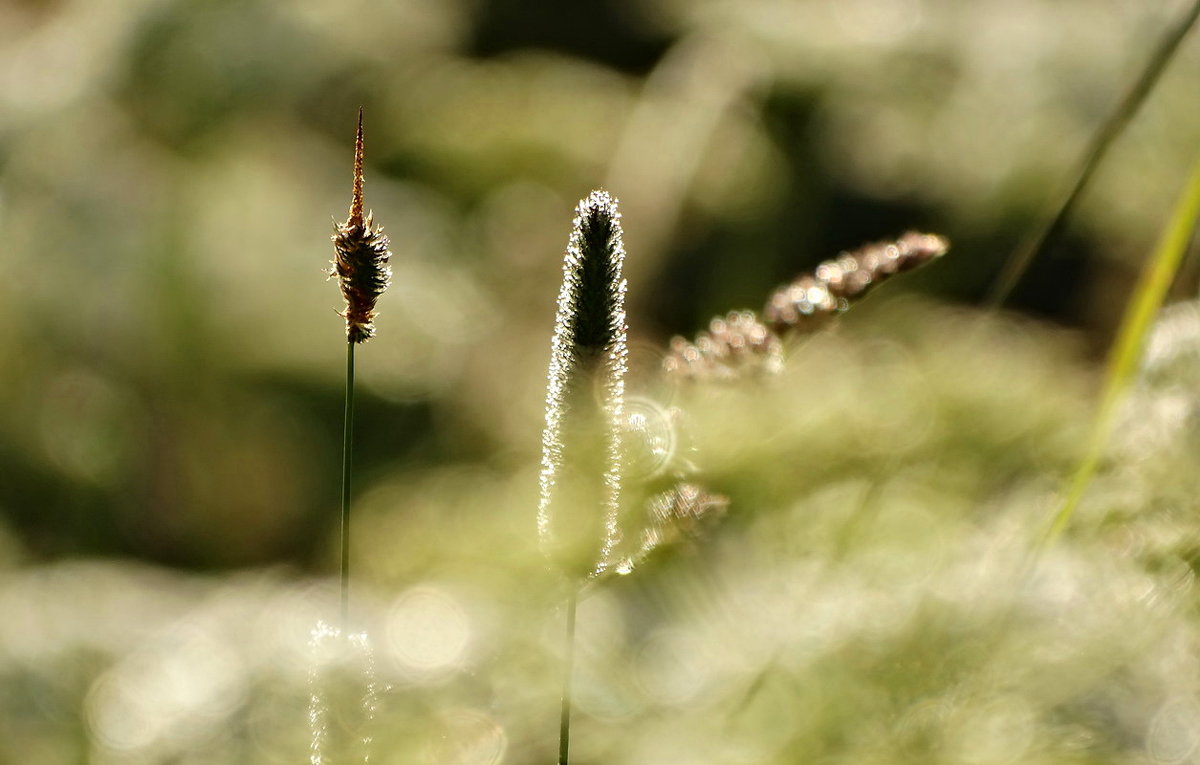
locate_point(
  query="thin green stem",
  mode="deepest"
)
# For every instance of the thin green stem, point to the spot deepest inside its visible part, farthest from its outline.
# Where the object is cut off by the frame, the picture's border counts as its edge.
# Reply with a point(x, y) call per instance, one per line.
point(564, 727)
point(1101, 142)
point(347, 455)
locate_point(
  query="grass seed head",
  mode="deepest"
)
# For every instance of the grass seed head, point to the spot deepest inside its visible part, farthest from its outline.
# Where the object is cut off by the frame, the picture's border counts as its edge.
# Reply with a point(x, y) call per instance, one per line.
point(580, 480)
point(811, 301)
point(741, 345)
point(361, 258)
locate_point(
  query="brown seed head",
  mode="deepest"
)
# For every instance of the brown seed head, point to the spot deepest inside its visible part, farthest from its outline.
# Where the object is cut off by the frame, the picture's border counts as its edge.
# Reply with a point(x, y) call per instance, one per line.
point(812, 300)
point(361, 257)
point(734, 346)
point(356, 201)
point(742, 344)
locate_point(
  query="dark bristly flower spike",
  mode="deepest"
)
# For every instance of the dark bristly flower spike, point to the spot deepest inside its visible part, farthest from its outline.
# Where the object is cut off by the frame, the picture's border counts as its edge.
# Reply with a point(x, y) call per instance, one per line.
point(580, 480)
point(361, 258)
point(811, 301)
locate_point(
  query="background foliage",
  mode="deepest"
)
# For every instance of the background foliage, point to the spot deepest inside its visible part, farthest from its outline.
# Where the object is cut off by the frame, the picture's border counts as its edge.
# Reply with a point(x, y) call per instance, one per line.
point(170, 379)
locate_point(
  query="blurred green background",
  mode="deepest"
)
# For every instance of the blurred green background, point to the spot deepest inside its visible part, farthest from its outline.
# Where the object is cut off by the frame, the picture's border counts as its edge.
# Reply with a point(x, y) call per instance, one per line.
point(171, 378)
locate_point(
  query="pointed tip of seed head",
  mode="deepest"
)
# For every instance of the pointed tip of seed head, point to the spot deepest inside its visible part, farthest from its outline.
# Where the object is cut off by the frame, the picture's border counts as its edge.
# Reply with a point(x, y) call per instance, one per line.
point(356, 204)
point(599, 201)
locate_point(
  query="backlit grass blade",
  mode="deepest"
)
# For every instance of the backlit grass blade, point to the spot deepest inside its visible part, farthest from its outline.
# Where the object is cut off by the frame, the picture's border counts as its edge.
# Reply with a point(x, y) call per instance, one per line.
point(1126, 353)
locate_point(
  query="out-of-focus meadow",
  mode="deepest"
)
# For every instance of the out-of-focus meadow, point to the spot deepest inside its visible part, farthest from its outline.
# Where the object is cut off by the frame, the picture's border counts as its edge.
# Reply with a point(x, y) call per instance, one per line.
point(171, 383)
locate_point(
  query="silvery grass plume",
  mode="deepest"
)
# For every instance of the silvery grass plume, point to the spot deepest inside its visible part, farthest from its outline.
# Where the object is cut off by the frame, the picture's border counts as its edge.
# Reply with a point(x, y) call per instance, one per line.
point(742, 344)
point(580, 482)
point(361, 258)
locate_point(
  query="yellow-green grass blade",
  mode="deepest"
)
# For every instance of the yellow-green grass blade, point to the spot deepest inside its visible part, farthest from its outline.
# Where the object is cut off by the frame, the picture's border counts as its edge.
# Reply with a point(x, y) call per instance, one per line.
point(1126, 353)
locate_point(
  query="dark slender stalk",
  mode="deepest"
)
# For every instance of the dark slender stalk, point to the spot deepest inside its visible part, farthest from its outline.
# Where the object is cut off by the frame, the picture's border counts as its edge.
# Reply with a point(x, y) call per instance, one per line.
point(347, 455)
point(564, 727)
point(1044, 237)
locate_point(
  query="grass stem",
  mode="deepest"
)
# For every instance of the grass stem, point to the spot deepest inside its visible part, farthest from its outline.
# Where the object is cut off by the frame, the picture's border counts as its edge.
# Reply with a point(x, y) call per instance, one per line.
point(1102, 141)
point(347, 455)
point(564, 727)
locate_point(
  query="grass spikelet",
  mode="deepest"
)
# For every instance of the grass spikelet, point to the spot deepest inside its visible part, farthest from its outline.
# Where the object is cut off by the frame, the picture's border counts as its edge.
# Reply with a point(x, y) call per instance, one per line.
point(580, 480)
point(741, 344)
point(361, 258)
point(811, 301)
point(676, 513)
point(734, 346)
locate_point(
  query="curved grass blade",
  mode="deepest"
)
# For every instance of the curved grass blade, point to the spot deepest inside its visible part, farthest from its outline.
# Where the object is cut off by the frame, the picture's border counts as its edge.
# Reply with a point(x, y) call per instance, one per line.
point(1126, 353)
point(1102, 141)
